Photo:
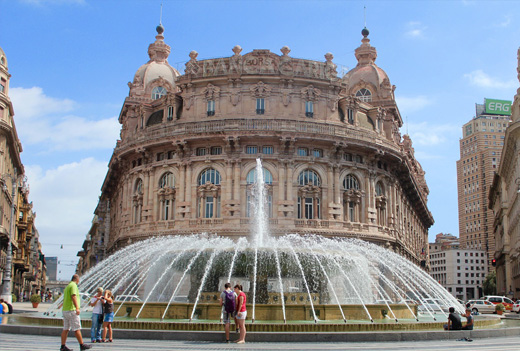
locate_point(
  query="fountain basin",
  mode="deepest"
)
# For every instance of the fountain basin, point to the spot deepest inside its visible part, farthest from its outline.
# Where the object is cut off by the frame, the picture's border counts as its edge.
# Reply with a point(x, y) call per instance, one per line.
point(263, 312)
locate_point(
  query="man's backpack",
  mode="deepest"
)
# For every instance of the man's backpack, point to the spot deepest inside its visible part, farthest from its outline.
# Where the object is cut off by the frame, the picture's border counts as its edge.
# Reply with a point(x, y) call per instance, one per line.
point(229, 301)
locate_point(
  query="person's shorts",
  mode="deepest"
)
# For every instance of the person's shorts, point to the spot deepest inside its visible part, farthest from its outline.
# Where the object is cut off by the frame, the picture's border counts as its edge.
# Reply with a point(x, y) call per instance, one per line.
point(227, 316)
point(71, 321)
point(242, 315)
point(109, 317)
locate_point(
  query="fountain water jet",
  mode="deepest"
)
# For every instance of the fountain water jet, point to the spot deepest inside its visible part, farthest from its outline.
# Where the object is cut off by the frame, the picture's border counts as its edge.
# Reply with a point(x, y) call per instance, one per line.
point(292, 277)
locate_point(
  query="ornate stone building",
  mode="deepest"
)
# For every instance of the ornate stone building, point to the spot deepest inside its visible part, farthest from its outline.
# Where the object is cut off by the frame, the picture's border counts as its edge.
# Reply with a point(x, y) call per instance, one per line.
point(22, 265)
point(504, 200)
point(334, 161)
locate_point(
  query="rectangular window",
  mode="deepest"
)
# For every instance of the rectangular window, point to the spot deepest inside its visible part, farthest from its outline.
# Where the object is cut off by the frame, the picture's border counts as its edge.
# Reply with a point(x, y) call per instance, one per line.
point(3, 84)
point(216, 150)
point(347, 157)
point(267, 150)
point(303, 151)
point(260, 106)
point(166, 209)
point(309, 214)
point(201, 151)
point(350, 116)
point(161, 156)
point(317, 152)
point(209, 207)
point(211, 107)
point(251, 150)
point(170, 113)
point(309, 109)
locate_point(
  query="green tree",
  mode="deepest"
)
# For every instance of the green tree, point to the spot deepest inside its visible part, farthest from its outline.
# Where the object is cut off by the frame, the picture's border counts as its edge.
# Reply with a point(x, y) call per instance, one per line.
point(490, 284)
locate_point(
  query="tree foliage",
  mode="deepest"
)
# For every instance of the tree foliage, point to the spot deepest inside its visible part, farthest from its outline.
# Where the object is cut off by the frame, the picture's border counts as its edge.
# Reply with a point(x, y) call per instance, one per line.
point(490, 284)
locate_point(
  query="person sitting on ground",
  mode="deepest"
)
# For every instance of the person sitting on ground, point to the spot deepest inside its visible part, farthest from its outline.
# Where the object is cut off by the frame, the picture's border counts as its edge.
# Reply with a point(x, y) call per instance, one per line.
point(469, 320)
point(454, 322)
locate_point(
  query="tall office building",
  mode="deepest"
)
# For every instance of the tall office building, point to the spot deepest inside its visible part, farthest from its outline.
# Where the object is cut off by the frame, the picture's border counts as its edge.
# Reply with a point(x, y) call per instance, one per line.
point(480, 151)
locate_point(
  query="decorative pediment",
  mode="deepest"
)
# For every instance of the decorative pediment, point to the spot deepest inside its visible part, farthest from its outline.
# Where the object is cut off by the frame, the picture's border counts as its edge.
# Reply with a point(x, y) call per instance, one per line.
point(309, 190)
point(208, 189)
point(310, 93)
point(353, 195)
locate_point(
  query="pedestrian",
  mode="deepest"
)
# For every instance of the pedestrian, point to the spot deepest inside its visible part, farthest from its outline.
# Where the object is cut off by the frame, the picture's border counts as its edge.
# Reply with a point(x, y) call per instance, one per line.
point(454, 322)
point(97, 315)
point(108, 311)
point(228, 302)
point(3, 310)
point(469, 320)
point(71, 310)
point(241, 313)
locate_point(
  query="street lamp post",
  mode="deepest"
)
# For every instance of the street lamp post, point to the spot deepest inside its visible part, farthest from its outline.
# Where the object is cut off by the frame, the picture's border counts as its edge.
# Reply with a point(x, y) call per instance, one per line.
point(6, 283)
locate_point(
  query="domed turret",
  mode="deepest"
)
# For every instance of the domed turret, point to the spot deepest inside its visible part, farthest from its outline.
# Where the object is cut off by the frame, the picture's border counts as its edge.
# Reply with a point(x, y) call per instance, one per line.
point(367, 81)
point(156, 73)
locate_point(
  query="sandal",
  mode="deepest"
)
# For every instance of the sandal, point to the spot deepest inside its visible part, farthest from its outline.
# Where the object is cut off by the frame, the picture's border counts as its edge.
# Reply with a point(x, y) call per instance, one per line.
point(109, 340)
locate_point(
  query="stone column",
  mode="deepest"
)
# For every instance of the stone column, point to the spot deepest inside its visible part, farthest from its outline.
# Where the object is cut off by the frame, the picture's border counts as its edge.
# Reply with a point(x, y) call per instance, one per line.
point(290, 186)
point(188, 186)
point(182, 183)
point(281, 182)
point(236, 190)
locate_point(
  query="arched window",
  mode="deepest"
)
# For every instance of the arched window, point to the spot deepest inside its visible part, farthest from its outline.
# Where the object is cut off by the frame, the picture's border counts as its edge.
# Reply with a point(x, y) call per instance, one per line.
point(364, 95)
point(352, 199)
point(158, 92)
point(309, 195)
point(380, 204)
point(137, 201)
point(268, 180)
point(209, 175)
point(350, 182)
point(380, 191)
point(309, 176)
point(167, 181)
point(166, 196)
point(208, 194)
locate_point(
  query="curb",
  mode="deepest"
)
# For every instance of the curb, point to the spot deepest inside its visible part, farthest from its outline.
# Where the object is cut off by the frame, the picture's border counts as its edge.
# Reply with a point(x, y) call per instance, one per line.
point(276, 337)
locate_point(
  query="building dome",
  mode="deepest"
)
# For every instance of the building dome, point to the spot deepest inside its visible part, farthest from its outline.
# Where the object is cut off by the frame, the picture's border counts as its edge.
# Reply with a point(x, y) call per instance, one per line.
point(157, 72)
point(367, 75)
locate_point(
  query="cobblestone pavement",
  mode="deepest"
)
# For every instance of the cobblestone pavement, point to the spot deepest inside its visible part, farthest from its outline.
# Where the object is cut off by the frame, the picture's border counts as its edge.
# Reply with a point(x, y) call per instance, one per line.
point(16, 342)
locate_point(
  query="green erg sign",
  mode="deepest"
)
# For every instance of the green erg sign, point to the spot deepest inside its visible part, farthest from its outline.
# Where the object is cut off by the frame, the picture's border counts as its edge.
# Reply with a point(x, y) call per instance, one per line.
point(498, 107)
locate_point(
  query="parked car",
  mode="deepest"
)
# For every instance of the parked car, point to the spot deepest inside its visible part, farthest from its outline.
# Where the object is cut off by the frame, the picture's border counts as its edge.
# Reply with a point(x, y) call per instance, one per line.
point(516, 307)
point(481, 306)
point(128, 298)
point(507, 302)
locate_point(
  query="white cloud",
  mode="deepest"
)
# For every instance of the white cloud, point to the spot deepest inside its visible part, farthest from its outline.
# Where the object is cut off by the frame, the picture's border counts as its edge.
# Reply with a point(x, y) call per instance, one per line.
point(413, 104)
point(415, 30)
point(505, 22)
point(40, 120)
point(64, 200)
point(482, 80)
point(426, 134)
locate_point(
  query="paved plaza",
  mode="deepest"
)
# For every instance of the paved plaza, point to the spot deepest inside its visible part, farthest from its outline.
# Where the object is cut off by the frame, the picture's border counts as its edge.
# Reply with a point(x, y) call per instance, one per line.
point(14, 342)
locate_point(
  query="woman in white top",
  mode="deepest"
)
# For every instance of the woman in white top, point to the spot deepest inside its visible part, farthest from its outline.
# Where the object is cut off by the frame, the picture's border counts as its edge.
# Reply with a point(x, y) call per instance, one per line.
point(97, 315)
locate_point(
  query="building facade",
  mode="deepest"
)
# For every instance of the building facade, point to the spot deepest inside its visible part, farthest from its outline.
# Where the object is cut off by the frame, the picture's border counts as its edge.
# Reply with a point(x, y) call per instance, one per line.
point(504, 201)
point(335, 163)
point(461, 271)
point(22, 264)
point(480, 154)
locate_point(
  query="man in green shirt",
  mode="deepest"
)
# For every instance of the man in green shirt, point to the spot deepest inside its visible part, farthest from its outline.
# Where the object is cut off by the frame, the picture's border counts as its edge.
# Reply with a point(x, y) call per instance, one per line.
point(71, 320)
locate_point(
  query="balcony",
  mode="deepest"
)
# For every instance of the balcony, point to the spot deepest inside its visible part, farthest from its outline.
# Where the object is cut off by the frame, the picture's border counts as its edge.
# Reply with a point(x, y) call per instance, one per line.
point(311, 223)
point(206, 222)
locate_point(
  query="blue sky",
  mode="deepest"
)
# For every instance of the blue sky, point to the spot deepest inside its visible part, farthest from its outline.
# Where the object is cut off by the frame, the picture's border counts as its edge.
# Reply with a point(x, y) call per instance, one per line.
point(70, 62)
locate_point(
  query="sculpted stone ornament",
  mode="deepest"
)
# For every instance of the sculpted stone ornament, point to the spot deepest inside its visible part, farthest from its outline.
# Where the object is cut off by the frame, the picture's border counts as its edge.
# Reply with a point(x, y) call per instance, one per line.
point(286, 66)
point(235, 61)
point(211, 92)
point(310, 93)
point(260, 90)
point(331, 70)
point(235, 97)
point(192, 66)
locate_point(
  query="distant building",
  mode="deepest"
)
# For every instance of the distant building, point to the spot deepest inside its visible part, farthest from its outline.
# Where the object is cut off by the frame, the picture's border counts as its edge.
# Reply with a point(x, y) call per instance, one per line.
point(52, 268)
point(480, 152)
point(460, 271)
point(504, 200)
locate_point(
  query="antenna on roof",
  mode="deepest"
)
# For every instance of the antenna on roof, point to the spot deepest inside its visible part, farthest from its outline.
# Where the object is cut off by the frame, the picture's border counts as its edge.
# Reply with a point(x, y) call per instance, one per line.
point(365, 15)
point(160, 18)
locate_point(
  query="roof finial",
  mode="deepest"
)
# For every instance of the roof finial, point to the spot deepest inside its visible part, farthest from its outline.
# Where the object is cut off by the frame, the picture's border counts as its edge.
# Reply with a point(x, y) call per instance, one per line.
point(365, 15)
point(160, 18)
point(365, 31)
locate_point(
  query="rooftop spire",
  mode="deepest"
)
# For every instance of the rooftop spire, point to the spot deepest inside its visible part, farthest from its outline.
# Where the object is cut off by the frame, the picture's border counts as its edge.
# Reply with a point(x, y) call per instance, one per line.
point(366, 53)
point(159, 50)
